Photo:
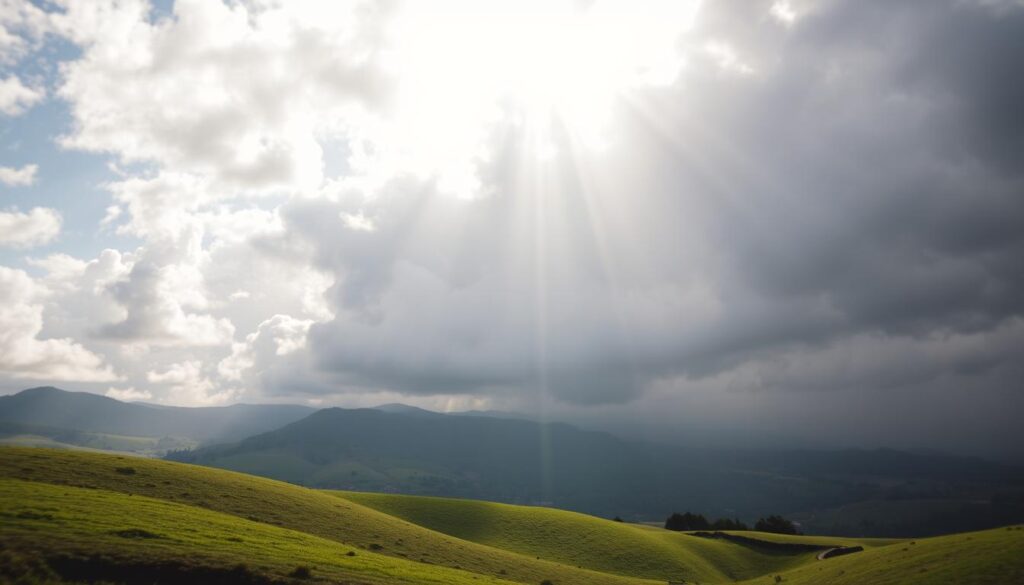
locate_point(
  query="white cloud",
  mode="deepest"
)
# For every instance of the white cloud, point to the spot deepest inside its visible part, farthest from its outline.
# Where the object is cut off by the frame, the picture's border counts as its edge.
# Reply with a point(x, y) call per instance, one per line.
point(276, 337)
point(189, 386)
point(60, 268)
point(18, 177)
point(24, 230)
point(239, 93)
point(357, 221)
point(165, 305)
point(78, 304)
point(16, 98)
point(23, 354)
point(161, 207)
point(129, 394)
point(784, 12)
point(726, 57)
point(22, 26)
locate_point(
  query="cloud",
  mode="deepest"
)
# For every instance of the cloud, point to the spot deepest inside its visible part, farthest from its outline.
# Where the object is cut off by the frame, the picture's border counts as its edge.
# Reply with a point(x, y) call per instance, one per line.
point(23, 354)
point(24, 230)
point(16, 98)
point(274, 338)
point(799, 201)
point(188, 385)
point(784, 12)
point(22, 27)
point(15, 177)
point(163, 304)
point(816, 203)
point(239, 93)
point(128, 394)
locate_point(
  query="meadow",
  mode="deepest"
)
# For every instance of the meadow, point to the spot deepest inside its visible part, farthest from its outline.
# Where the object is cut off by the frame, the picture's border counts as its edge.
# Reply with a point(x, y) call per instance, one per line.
point(72, 516)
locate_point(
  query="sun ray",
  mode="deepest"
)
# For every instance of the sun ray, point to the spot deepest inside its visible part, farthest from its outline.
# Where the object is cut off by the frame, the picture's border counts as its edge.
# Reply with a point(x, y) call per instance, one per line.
point(463, 66)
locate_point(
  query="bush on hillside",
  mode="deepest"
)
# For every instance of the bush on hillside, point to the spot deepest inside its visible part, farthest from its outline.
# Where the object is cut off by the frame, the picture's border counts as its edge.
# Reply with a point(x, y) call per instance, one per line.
point(687, 521)
point(727, 524)
point(776, 524)
point(690, 522)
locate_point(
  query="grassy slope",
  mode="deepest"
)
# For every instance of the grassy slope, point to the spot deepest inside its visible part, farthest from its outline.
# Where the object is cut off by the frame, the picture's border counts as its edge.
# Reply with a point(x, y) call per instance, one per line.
point(577, 539)
point(827, 540)
point(46, 442)
point(315, 529)
point(287, 506)
point(94, 522)
point(993, 557)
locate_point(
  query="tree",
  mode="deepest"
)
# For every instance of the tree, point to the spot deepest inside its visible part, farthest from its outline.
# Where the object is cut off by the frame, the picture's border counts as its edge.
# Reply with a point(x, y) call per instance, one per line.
point(727, 524)
point(687, 521)
point(776, 524)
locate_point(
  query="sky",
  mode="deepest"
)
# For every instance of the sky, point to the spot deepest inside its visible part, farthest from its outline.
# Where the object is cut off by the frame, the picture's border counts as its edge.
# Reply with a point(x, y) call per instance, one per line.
point(798, 218)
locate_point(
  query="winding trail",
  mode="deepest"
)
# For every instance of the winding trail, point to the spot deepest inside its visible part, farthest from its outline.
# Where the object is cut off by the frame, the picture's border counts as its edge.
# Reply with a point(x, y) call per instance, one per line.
point(838, 552)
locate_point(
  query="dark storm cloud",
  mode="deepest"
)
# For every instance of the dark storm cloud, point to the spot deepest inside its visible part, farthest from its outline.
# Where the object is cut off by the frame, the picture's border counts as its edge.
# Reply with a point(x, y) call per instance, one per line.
point(861, 188)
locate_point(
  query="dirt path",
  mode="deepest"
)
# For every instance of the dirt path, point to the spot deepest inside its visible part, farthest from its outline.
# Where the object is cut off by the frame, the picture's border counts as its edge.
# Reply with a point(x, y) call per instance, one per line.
point(838, 552)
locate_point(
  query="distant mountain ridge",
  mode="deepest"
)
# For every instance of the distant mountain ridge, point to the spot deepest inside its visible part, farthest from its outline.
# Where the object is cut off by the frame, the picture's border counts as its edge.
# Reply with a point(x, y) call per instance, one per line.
point(522, 461)
point(52, 408)
point(510, 458)
point(399, 408)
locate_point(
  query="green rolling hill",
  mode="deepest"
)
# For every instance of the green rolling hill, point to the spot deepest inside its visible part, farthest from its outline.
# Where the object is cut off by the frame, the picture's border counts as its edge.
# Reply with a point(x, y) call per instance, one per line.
point(91, 534)
point(398, 448)
point(594, 543)
point(283, 505)
point(988, 557)
point(70, 516)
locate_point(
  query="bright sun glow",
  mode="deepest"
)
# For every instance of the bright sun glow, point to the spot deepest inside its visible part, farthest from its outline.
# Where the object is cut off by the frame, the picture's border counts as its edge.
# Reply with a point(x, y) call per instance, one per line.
point(463, 65)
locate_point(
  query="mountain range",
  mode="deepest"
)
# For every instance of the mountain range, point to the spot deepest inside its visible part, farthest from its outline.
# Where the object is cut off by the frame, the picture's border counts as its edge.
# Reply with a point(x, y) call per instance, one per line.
point(84, 419)
point(497, 456)
point(526, 462)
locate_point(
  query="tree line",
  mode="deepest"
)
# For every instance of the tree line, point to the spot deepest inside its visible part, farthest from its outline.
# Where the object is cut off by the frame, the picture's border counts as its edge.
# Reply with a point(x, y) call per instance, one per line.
point(690, 522)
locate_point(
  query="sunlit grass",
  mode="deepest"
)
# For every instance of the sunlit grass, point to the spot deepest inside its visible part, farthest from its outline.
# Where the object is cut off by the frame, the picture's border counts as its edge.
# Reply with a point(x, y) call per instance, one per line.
point(288, 506)
point(594, 543)
point(128, 511)
point(62, 521)
point(979, 558)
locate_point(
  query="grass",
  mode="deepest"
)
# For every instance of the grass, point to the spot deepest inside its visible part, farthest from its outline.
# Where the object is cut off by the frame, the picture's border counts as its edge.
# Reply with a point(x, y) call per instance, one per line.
point(101, 528)
point(589, 542)
point(73, 512)
point(978, 558)
point(45, 442)
point(14, 434)
point(824, 540)
point(287, 506)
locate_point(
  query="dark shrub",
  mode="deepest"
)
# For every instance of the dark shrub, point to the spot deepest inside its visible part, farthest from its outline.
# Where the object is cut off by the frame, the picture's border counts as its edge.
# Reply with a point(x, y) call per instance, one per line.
point(687, 521)
point(727, 524)
point(135, 533)
point(301, 573)
point(776, 524)
point(125, 470)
